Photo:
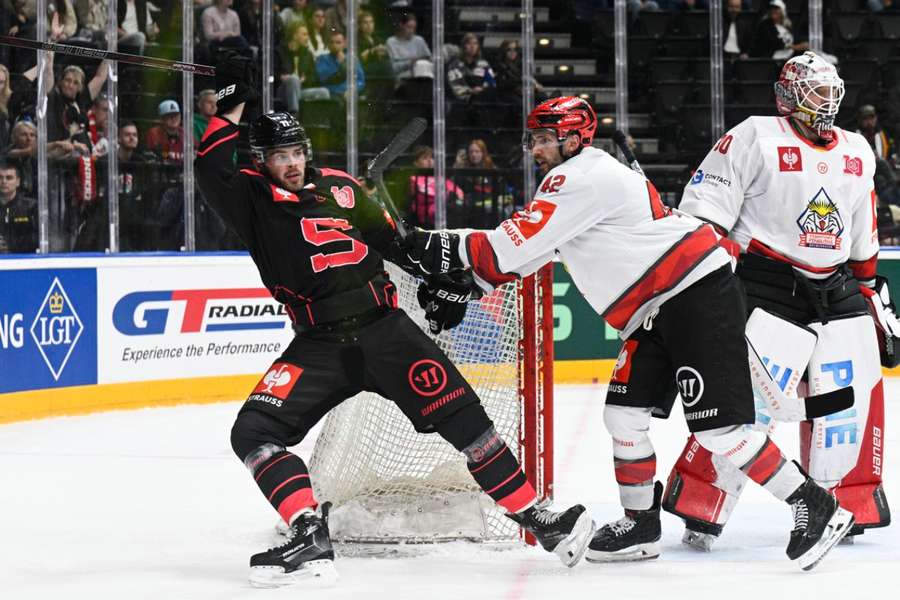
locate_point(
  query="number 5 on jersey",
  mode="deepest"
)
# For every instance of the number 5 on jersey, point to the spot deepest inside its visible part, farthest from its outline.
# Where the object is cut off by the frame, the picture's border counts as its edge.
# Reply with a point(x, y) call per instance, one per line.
point(321, 231)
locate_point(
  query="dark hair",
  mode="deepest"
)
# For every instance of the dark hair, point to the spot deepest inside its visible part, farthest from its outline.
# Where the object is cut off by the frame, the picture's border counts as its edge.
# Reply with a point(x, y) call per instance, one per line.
point(6, 165)
point(127, 123)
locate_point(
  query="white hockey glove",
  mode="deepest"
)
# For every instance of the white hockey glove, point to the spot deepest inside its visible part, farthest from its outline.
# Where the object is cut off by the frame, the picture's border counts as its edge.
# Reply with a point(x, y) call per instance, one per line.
point(886, 323)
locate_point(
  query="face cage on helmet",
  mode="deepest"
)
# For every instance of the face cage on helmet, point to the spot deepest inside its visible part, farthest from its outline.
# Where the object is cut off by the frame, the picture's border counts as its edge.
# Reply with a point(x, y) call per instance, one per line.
point(821, 117)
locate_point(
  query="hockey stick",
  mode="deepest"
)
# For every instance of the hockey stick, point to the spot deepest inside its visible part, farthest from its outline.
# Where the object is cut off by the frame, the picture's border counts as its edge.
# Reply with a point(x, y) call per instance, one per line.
point(621, 142)
point(377, 166)
point(789, 409)
point(134, 59)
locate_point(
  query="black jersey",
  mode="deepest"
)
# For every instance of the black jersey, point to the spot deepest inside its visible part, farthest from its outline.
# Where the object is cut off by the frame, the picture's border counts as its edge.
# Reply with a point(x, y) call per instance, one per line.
point(325, 241)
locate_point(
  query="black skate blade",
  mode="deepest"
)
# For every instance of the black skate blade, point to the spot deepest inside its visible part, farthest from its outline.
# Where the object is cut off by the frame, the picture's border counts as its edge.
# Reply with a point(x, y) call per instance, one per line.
point(838, 526)
point(631, 554)
point(572, 548)
point(313, 574)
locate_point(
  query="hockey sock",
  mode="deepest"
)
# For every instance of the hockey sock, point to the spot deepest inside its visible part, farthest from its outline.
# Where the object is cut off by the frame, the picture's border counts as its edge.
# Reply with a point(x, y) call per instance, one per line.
point(497, 471)
point(283, 478)
point(770, 469)
point(635, 479)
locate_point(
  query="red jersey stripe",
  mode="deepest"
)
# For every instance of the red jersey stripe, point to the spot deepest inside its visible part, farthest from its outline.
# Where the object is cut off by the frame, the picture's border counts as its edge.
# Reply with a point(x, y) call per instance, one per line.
point(216, 143)
point(865, 269)
point(664, 275)
point(214, 125)
point(484, 260)
point(757, 247)
point(657, 207)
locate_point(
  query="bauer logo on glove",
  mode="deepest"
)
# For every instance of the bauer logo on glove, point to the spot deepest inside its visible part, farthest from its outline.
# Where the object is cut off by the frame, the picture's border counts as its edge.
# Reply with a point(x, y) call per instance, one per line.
point(444, 298)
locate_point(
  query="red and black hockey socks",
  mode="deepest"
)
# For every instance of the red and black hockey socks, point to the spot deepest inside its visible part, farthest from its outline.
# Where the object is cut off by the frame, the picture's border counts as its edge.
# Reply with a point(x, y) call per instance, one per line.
point(497, 471)
point(770, 469)
point(283, 479)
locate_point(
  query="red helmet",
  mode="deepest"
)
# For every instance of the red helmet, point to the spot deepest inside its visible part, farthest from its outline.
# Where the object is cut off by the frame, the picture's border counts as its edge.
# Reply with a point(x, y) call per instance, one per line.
point(565, 115)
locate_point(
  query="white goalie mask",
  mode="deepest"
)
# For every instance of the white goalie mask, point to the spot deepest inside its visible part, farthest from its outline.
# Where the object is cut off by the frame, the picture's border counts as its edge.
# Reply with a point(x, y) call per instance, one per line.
point(810, 90)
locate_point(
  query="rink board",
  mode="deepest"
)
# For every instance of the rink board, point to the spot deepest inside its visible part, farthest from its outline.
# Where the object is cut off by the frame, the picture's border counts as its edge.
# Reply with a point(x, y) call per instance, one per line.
point(85, 333)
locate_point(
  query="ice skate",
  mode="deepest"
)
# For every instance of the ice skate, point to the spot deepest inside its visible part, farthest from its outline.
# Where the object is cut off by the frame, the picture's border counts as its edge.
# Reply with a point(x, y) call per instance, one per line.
point(700, 536)
point(565, 534)
point(307, 557)
point(819, 524)
point(633, 537)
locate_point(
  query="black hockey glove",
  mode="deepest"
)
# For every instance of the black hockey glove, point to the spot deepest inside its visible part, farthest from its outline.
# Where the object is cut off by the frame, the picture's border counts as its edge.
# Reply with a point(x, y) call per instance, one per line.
point(444, 299)
point(237, 79)
point(431, 252)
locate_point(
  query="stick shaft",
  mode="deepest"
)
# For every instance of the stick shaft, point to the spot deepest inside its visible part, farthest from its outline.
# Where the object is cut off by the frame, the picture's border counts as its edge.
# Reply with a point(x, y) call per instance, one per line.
point(134, 59)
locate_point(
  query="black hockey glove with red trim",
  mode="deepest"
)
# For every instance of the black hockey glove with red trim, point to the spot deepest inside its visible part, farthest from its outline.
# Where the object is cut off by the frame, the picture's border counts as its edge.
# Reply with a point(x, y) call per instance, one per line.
point(444, 299)
point(237, 79)
point(432, 252)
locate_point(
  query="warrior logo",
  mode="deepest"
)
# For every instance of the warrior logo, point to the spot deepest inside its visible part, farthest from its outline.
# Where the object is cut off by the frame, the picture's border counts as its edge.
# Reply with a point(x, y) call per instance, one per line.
point(427, 377)
point(690, 385)
point(820, 223)
point(789, 158)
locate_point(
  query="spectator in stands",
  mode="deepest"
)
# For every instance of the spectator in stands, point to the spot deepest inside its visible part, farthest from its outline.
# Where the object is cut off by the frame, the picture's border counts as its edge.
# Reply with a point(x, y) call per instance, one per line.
point(318, 36)
point(486, 202)
point(472, 86)
point(298, 77)
point(373, 54)
point(738, 34)
point(886, 187)
point(331, 68)
point(421, 191)
point(5, 117)
point(774, 36)
point(166, 140)
point(18, 214)
point(134, 216)
point(406, 48)
point(251, 15)
point(296, 13)
point(869, 128)
point(206, 108)
point(92, 17)
point(136, 25)
point(97, 119)
point(222, 27)
point(508, 74)
point(336, 18)
point(22, 153)
point(67, 105)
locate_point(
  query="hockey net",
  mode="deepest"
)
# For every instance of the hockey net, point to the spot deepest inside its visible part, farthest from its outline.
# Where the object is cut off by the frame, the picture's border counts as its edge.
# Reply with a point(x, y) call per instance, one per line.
point(390, 484)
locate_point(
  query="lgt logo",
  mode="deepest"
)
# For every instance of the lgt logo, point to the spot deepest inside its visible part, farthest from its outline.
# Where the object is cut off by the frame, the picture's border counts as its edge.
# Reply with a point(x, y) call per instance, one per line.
point(56, 328)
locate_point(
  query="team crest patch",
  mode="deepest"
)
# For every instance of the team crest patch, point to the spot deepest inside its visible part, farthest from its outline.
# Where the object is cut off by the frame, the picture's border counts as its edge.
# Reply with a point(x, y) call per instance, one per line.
point(789, 158)
point(820, 223)
point(853, 165)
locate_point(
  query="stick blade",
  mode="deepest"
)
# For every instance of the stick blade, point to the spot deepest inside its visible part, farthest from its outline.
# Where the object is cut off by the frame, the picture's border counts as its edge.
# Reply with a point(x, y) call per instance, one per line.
point(403, 140)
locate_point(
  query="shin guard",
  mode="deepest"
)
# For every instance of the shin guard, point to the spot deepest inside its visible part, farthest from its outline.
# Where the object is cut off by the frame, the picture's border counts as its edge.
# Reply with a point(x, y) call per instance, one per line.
point(496, 470)
point(283, 479)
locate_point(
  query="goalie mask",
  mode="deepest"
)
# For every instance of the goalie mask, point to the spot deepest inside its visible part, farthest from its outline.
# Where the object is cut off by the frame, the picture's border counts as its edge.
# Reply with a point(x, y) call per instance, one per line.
point(810, 90)
point(277, 130)
point(563, 116)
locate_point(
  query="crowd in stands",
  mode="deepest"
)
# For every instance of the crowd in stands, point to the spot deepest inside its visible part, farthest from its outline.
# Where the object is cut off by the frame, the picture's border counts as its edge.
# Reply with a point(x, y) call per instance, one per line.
point(395, 72)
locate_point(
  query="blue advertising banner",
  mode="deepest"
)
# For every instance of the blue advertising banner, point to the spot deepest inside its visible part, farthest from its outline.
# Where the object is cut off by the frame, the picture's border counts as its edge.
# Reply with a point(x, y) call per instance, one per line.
point(48, 328)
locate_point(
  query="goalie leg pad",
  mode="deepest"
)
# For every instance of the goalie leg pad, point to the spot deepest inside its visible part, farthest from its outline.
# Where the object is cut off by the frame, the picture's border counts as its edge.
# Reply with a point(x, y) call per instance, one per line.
point(488, 458)
point(846, 355)
point(703, 488)
point(633, 454)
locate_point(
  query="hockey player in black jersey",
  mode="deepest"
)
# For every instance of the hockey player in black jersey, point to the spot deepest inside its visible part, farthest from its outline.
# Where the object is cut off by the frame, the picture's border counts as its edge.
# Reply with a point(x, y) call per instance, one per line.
point(318, 241)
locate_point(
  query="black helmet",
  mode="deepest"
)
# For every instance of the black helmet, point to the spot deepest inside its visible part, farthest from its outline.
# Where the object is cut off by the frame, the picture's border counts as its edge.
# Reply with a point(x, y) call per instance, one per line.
point(276, 130)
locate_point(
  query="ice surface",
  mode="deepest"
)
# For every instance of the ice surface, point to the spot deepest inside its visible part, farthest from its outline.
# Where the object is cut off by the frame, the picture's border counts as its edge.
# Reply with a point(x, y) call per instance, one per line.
point(152, 504)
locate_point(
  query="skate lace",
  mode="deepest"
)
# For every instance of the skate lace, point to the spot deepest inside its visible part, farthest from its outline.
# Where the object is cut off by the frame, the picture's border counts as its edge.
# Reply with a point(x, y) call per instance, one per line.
point(546, 517)
point(801, 515)
point(299, 529)
point(622, 526)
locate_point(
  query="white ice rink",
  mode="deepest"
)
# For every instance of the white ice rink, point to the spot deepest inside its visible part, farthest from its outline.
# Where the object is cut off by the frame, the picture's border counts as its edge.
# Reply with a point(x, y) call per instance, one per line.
point(152, 504)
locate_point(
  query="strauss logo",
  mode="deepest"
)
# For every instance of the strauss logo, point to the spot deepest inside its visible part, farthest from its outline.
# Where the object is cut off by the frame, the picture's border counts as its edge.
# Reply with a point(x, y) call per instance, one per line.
point(790, 158)
point(276, 378)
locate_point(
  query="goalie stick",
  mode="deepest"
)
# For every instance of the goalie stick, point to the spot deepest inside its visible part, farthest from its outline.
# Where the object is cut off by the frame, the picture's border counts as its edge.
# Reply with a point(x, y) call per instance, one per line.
point(144, 61)
point(375, 170)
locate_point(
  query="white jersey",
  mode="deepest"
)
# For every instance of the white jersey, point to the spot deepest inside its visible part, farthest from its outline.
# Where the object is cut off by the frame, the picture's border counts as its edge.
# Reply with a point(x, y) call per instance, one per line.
point(781, 196)
point(625, 250)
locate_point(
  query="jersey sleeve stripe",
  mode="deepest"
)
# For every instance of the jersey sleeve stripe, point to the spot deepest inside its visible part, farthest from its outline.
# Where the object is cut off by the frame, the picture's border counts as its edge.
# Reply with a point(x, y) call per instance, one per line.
point(215, 124)
point(865, 270)
point(484, 260)
point(657, 207)
point(216, 143)
point(674, 264)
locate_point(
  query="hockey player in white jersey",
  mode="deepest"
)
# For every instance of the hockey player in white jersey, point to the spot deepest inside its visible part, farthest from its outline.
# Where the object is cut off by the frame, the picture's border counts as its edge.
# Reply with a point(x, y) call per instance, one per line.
point(795, 196)
point(661, 277)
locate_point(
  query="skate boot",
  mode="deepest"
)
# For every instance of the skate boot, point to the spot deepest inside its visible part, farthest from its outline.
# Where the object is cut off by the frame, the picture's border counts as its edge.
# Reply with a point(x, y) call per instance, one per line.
point(633, 537)
point(700, 536)
point(819, 524)
point(565, 534)
point(307, 556)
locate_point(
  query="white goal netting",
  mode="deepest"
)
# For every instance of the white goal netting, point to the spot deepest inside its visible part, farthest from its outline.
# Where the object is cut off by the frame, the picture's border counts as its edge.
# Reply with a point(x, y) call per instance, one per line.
point(389, 483)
